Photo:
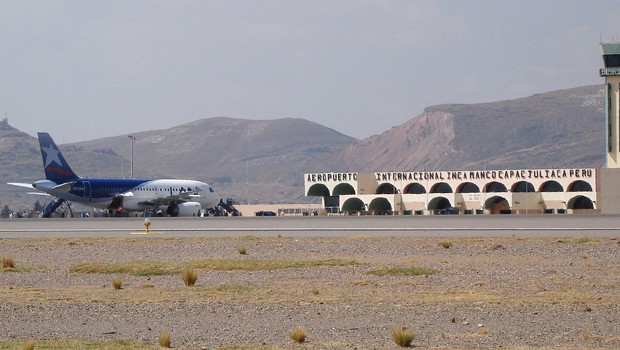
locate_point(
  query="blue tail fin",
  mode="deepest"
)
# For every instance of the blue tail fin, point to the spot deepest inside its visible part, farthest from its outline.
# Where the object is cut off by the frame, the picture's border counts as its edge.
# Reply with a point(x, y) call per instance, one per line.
point(56, 167)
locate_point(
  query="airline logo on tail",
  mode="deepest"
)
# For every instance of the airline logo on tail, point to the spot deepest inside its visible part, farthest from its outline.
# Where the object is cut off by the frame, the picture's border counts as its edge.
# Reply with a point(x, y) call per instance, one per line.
point(60, 173)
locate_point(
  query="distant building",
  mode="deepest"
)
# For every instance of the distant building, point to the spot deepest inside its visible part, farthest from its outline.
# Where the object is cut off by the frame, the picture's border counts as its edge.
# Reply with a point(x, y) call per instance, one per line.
point(459, 192)
point(476, 192)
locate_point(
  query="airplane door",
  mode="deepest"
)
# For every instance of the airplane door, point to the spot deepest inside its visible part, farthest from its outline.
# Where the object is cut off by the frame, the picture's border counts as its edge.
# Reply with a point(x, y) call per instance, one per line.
point(87, 190)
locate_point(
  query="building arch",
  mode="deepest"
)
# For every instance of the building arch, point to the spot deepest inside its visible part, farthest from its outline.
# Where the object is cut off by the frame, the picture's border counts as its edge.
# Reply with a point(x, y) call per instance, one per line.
point(551, 186)
point(497, 205)
point(318, 190)
point(495, 186)
point(441, 187)
point(386, 188)
point(522, 186)
point(439, 203)
point(343, 189)
point(353, 204)
point(580, 202)
point(380, 204)
point(468, 187)
point(415, 188)
point(579, 186)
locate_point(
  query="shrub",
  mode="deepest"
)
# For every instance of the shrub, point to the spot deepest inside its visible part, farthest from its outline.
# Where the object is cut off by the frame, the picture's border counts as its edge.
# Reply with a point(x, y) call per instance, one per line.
point(29, 345)
point(242, 250)
point(164, 339)
point(445, 244)
point(117, 283)
point(298, 334)
point(315, 291)
point(402, 337)
point(7, 262)
point(189, 277)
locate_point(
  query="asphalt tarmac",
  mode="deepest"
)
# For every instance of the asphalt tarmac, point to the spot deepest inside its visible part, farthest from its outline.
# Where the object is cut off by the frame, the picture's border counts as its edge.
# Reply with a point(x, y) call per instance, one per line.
point(322, 226)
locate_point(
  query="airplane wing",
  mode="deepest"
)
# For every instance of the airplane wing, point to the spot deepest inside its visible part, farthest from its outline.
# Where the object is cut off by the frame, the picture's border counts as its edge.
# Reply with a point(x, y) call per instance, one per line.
point(66, 187)
point(21, 184)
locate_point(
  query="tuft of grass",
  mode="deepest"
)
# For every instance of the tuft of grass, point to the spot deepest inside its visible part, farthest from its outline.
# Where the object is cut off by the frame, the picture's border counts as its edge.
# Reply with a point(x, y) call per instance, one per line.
point(403, 271)
point(315, 291)
point(29, 345)
point(117, 283)
point(298, 334)
point(190, 276)
point(584, 240)
point(8, 262)
point(242, 250)
point(445, 244)
point(402, 337)
point(164, 340)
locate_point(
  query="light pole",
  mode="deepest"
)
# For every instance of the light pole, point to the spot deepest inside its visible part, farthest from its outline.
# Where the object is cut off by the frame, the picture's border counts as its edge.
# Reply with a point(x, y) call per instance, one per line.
point(132, 141)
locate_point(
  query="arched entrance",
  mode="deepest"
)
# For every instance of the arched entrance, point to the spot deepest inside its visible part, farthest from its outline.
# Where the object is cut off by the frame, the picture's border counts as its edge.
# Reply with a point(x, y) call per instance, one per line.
point(580, 202)
point(318, 190)
point(415, 188)
point(551, 186)
point(343, 189)
point(441, 187)
point(380, 206)
point(353, 205)
point(523, 186)
point(495, 187)
point(386, 188)
point(579, 186)
point(468, 187)
point(439, 205)
point(497, 205)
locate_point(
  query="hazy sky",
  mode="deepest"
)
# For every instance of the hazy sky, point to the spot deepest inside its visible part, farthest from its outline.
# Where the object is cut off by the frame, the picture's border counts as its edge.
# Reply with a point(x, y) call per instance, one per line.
point(88, 69)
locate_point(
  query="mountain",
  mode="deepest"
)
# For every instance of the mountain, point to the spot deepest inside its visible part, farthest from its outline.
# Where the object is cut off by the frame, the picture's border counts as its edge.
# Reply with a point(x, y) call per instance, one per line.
point(564, 128)
point(263, 161)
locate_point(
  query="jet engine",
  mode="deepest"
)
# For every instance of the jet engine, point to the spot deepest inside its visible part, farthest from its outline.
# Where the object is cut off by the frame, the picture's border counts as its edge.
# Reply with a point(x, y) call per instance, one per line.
point(184, 209)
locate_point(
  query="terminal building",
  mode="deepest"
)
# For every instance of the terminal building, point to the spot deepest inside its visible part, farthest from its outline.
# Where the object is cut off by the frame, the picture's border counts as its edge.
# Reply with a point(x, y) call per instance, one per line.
point(478, 192)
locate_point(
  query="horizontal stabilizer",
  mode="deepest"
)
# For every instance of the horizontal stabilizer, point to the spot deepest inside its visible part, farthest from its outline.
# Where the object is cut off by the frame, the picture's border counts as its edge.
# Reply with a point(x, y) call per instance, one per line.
point(20, 184)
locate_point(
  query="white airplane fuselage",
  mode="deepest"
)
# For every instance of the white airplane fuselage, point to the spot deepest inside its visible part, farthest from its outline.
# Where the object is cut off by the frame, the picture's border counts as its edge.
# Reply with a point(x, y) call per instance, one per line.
point(177, 197)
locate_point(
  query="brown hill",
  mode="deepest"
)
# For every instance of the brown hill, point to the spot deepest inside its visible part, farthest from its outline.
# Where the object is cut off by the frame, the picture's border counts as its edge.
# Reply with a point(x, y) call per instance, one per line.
point(557, 129)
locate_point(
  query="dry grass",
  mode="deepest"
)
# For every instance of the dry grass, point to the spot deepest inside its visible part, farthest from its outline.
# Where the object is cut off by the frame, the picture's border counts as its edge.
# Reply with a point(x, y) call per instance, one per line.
point(117, 283)
point(29, 345)
point(402, 337)
point(158, 268)
point(403, 271)
point(242, 250)
point(445, 244)
point(164, 340)
point(73, 344)
point(8, 263)
point(298, 334)
point(190, 276)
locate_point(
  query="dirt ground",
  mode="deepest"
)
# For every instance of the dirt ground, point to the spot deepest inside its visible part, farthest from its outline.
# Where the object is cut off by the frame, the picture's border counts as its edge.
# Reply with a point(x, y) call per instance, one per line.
point(346, 293)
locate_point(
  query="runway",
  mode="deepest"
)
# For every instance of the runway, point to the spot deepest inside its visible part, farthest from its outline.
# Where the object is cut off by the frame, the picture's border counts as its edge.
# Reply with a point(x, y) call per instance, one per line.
point(323, 226)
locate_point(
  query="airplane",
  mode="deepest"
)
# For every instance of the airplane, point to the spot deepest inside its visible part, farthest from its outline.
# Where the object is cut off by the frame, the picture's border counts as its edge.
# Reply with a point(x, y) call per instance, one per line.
point(176, 197)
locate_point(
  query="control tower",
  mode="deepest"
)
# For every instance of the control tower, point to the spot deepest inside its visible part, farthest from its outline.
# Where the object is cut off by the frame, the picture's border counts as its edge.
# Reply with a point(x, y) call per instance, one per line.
point(611, 72)
point(609, 196)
